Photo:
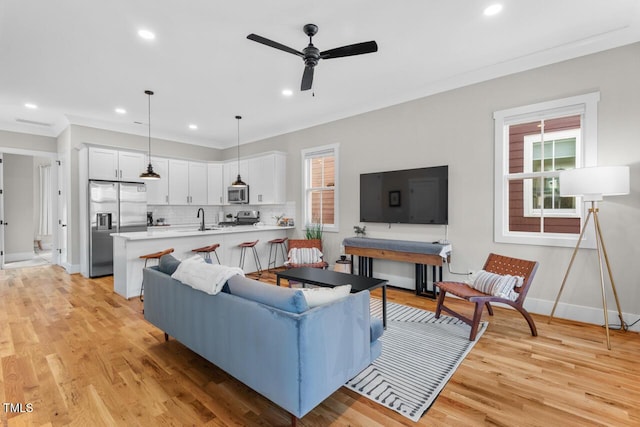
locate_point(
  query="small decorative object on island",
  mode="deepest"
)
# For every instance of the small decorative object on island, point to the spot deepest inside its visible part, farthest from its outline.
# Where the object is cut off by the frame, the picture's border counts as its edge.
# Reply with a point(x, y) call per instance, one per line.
point(279, 219)
point(360, 231)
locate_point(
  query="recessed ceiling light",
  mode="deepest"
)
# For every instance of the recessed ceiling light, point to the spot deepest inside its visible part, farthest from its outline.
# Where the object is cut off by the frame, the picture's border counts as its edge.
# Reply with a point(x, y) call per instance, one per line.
point(494, 9)
point(30, 106)
point(121, 111)
point(146, 34)
point(287, 92)
point(193, 126)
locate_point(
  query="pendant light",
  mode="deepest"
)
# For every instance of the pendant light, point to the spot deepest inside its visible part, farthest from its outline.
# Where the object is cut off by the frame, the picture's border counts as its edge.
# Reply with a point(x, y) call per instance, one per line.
point(238, 182)
point(149, 173)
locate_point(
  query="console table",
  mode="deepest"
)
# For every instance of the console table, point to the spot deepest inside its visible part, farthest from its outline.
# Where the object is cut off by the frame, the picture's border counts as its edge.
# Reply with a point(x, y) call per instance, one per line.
point(422, 254)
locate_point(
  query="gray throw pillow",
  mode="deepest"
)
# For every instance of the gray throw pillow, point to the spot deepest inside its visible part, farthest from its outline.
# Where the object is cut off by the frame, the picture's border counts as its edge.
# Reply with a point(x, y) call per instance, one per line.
point(168, 264)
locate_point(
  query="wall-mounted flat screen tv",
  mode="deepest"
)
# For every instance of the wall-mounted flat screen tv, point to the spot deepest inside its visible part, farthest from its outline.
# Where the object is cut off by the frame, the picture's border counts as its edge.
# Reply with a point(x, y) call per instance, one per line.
point(410, 196)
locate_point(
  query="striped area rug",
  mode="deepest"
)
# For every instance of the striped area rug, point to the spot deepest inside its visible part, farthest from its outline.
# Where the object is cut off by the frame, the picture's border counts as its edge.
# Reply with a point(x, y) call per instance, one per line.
point(419, 355)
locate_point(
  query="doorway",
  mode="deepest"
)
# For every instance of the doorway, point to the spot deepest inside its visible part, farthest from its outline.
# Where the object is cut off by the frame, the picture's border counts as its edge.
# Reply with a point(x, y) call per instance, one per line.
point(28, 208)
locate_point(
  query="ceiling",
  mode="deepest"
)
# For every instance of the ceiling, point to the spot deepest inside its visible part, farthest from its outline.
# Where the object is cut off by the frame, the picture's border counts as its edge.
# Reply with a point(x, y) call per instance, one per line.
point(78, 60)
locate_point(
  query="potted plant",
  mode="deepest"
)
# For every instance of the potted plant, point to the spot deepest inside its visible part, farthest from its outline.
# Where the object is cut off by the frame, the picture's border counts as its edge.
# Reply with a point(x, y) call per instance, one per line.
point(313, 231)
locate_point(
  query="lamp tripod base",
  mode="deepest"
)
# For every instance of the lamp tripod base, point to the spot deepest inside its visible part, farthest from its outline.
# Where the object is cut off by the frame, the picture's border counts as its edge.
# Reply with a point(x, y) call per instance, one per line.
point(602, 255)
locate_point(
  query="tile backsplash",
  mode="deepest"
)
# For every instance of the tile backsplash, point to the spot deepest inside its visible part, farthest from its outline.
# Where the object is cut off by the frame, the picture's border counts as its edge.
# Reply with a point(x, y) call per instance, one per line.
point(187, 215)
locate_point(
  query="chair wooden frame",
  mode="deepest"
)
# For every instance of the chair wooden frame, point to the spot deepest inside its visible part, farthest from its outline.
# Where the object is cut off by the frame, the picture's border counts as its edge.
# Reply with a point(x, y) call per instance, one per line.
point(307, 243)
point(498, 264)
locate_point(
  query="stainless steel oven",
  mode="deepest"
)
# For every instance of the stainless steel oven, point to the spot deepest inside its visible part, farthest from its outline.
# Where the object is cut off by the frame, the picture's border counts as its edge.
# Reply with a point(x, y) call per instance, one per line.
point(238, 194)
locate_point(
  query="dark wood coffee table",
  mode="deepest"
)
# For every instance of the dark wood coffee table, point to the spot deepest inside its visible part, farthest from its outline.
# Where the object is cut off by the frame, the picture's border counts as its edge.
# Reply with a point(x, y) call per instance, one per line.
point(330, 279)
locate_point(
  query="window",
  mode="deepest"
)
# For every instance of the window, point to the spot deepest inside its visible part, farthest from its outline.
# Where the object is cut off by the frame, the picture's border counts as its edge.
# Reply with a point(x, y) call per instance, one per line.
point(320, 175)
point(532, 145)
point(550, 152)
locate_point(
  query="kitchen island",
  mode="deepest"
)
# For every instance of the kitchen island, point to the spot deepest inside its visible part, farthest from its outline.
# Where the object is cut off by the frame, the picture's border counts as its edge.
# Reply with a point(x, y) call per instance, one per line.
point(127, 248)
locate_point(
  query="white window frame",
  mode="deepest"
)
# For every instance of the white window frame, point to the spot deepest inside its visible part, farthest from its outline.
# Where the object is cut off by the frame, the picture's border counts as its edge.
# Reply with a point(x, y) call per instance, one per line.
point(587, 106)
point(529, 140)
point(307, 155)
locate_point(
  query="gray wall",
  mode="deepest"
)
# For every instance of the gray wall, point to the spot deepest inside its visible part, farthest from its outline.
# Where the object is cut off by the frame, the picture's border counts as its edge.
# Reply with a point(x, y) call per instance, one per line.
point(18, 207)
point(456, 128)
point(23, 141)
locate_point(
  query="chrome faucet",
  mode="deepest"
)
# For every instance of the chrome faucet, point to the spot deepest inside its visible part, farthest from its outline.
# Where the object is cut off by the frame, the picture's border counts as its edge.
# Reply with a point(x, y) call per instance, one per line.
point(202, 220)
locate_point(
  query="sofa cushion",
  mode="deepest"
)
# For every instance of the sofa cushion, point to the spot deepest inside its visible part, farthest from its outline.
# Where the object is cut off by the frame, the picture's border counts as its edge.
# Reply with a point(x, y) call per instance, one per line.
point(168, 264)
point(319, 296)
point(286, 299)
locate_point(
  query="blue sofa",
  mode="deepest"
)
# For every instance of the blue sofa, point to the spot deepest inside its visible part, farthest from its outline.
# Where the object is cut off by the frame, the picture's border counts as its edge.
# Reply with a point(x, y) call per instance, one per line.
point(266, 336)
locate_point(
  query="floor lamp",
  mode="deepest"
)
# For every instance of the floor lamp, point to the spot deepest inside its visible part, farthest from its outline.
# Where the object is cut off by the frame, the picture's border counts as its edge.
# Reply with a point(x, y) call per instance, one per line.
point(592, 184)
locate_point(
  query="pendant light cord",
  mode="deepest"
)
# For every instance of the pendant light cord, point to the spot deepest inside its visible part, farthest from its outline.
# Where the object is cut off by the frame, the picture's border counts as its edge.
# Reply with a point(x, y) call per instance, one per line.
point(238, 120)
point(149, 122)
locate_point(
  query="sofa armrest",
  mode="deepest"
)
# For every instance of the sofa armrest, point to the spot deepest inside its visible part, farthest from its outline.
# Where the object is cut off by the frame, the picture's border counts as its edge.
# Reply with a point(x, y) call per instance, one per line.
point(334, 347)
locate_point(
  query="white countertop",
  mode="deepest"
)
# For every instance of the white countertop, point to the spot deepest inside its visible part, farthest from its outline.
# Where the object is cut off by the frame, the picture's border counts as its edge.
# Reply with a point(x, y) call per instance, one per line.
point(190, 231)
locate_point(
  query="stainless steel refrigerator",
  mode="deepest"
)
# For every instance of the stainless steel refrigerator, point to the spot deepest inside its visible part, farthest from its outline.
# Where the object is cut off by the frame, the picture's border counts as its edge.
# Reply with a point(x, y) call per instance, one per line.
point(114, 207)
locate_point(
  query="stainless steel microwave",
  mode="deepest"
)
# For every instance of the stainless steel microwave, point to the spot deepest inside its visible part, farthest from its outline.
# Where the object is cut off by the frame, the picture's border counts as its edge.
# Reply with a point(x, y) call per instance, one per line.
point(238, 194)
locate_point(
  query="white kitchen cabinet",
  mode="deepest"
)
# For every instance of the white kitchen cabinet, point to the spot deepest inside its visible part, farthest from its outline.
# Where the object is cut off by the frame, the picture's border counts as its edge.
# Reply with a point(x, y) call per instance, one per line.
point(187, 183)
point(131, 165)
point(158, 189)
point(115, 165)
point(215, 184)
point(231, 174)
point(198, 183)
point(268, 175)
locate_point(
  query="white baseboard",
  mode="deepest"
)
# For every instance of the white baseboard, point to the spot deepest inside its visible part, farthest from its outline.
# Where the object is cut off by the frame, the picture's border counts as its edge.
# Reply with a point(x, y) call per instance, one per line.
point(71, 268)
point(19, 256)
point(580, 313)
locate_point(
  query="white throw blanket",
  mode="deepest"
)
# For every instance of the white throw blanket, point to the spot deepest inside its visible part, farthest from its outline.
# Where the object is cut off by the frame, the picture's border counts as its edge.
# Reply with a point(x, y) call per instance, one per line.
point(209, 278)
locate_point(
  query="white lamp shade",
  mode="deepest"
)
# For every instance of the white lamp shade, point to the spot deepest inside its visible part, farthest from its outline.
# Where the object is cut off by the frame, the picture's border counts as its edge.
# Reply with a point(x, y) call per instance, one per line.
point(594, 182)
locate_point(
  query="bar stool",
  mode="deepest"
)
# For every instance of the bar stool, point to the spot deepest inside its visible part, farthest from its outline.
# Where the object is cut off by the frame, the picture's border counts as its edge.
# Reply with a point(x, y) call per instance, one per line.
point(280, 243)
point(147, 257)
point(243, 246)
point(206, 251)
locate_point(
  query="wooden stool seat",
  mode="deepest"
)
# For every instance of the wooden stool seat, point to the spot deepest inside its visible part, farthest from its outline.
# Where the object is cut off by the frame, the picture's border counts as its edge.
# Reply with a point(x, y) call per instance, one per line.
point(155, 255)
point(206, 250)
point(248, 244)
point(280, 243)
point(146, 258)
point(243, 246)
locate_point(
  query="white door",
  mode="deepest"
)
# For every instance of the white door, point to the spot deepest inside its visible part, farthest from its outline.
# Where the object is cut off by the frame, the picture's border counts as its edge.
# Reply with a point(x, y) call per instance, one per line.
point(61, 248)
point(1, 215)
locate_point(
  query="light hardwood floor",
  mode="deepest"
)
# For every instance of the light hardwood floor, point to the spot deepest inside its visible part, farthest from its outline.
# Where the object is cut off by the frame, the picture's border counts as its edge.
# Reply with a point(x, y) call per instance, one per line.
point(79, 354)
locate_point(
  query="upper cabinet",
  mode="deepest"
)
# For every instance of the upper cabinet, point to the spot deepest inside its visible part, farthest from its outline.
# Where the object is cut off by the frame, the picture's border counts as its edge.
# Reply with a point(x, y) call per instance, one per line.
point(187, 183)
point(215, 184)
point(115, 165)
point(267, 183)
point(158, 189)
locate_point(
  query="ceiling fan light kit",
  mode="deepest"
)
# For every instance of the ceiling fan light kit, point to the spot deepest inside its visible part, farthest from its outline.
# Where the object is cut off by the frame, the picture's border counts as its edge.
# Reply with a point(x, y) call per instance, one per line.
point(311, 55)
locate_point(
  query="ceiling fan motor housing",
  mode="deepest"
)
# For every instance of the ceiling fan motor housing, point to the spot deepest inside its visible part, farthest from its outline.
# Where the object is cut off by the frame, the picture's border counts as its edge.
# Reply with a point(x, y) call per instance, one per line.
point(311, 55)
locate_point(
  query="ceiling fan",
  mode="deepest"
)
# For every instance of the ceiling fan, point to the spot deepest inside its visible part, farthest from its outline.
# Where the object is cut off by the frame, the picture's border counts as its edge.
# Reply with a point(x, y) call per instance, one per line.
point(311, 54)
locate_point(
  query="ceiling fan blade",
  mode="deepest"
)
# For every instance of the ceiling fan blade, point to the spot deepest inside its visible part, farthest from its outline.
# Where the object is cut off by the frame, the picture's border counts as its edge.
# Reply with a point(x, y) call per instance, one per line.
point(307, 78)
point(276, 45)
point(350, 50)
